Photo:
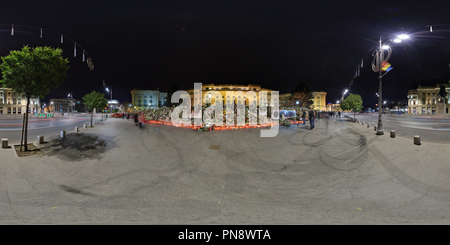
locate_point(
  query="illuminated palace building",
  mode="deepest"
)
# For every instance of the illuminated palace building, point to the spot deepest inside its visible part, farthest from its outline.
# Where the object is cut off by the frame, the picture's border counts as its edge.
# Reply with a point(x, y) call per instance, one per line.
point(12, 103)
point(427, 99)
point(208, 95)
point(319, 98)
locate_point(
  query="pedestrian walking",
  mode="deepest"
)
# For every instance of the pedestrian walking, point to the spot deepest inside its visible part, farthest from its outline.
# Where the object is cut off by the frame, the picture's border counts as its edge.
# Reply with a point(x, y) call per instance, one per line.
point(312, 117)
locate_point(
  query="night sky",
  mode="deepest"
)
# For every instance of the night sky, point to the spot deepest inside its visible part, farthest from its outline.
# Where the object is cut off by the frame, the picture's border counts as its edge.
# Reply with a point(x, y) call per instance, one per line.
point(276, 44)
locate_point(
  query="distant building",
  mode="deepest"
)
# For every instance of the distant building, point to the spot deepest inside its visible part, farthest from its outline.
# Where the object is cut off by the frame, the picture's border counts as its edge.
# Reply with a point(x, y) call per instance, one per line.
point(333, 107)
point(13, 103)
point(148, 99)
point(112, 104)
point(425, 98)
point(67, 105)
point(208, 95)
point(319, 101)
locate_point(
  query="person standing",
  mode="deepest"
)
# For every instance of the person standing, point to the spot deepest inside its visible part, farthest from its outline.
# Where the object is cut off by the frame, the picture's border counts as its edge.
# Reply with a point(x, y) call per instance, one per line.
point(304, 117)
point(141, 120)
point(312, 118)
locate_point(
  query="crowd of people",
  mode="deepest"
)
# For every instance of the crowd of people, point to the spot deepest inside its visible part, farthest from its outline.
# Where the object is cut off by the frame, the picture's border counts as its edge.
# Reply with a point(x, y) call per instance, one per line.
point(137, 117)
point(312, 116)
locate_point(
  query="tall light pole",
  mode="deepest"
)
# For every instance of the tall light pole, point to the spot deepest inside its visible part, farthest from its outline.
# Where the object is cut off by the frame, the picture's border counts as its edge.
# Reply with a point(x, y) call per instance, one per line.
point(110, 94)
point(378, 63)
point(380, 130)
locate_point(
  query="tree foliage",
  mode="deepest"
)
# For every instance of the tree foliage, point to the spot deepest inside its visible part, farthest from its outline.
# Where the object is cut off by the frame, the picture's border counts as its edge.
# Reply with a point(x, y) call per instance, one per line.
point(95, 100)
point(353, 102)
point(303, 95)
point(33, 72)
point(174, 87)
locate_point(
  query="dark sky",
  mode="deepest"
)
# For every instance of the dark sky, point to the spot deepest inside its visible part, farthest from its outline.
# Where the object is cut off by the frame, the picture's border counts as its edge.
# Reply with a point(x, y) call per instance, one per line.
point(277, 44)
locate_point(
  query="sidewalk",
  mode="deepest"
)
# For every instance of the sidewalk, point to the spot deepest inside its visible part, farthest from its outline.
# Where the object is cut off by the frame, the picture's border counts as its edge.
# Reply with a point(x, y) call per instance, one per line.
point(338, 173)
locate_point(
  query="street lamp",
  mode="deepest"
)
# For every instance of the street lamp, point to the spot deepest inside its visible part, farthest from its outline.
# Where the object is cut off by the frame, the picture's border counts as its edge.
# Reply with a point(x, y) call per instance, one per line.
point(379, 62)
point(110, 94)
point(343, 94)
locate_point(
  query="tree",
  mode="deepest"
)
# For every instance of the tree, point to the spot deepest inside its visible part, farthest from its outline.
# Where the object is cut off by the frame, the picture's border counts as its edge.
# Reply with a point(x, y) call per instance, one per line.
point(303, 95)
point(352, 102)
point(304, 99)
point(174, 87)
point(124, 106)
point(33, 72)
point(95, 100)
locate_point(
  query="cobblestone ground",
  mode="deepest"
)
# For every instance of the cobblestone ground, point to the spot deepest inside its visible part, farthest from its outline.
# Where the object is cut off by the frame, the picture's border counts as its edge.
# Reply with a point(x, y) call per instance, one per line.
point(338, 173)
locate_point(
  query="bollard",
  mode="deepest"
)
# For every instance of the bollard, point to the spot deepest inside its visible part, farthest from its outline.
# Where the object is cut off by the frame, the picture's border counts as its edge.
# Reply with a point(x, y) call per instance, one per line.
point(368, 125)
point(374, 128)
point(63, 134)
point(85, 125)
point(416, 139)
point(362, 123)
point(4, 142)
point(392, 133)
point(76, 129)
point(40, 139)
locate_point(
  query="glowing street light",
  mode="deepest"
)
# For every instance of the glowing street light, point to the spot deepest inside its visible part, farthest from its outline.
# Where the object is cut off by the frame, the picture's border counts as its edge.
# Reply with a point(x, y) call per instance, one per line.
point(378, 63)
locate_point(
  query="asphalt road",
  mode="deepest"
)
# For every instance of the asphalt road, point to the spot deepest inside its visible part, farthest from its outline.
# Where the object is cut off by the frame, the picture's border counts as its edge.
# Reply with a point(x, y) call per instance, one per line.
point(11, 127)
point(430, 128)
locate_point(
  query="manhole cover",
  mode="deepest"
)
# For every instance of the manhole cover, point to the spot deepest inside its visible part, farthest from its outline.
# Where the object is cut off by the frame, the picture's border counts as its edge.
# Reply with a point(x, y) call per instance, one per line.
point(214, 147)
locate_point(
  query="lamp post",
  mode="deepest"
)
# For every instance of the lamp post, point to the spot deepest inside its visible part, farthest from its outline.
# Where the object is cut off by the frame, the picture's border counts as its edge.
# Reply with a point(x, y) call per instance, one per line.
point(378, 63)
point(110, 94)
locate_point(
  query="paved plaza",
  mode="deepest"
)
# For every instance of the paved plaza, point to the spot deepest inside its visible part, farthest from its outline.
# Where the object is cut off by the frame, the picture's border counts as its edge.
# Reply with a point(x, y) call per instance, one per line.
point(338, 173)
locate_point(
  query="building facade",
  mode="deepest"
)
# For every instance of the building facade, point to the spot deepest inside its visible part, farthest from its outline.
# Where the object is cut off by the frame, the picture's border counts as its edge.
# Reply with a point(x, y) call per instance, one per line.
point(319, 100)
point(12, 103)
point(426, 100)
point(66, 106)
point(211, 92)
point(148, 99)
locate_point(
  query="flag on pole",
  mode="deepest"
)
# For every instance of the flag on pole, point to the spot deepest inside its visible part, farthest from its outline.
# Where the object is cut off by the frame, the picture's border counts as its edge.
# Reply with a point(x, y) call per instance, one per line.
point(386, 66)
point(12, 30)
point(75, 50)
point(62, 38)
point(41, 32)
